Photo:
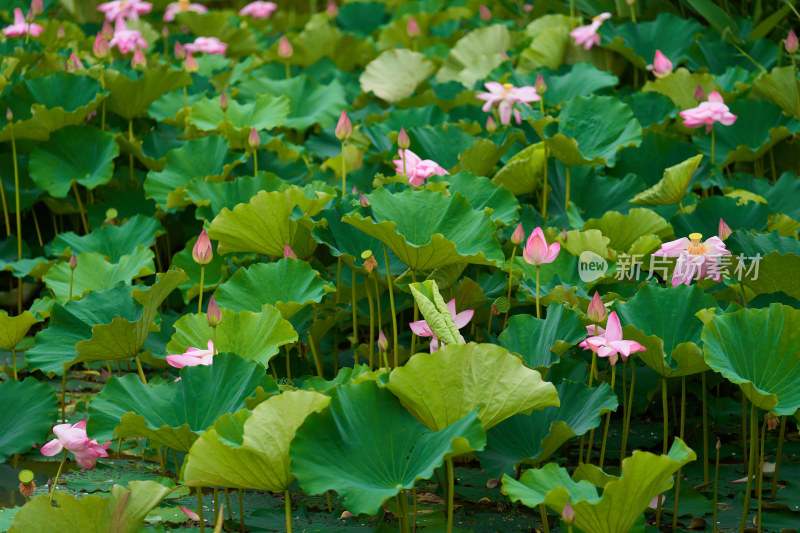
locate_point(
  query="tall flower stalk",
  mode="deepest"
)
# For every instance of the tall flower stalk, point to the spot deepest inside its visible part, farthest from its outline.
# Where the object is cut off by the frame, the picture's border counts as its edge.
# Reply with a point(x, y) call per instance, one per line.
point(538, 252)
point(202, 254)
point(343, 130)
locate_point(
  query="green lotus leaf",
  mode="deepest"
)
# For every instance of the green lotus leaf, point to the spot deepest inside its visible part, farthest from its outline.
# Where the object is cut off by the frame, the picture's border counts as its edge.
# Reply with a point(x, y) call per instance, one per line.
point(648, 160)
point(113, 242)
point(644, 476)
point(759, 350)
point(80, 154)
point(347, 375)
point(288, 284)
point(590, 131)
point(625, 230)
point(533, 438)
point(213, 273)
point(395, 74)
point(309, 102)
point(435, 312)
point(260, 458)
point(254, 336)
point(35, 406)
point(773, 273)
point(483, 194)
point(782, 87)
point(671, 340)
point(72, 322)
point(523, 173)
point(198, 158)
point(580, 79)
point(482, 157)
point(122, 512)
point(780, 196)
point(265, 224)
point(14, 328)
point(365, 476)
point(131, 97)
point(362, 17)
point(638, 42)
point(443, 144)
point(175, 414)
point(704, 219)
point(651, 109)
point(549, 42)
point(264, 113)
point(123, 338)
point(445, 386)
point(210, 197)
point(680, 85)
point(427, 230)
point(94, 273)
point(539, 342)
point(751, 243)
point(475, 55)
point(672, 187)
point(29, 193)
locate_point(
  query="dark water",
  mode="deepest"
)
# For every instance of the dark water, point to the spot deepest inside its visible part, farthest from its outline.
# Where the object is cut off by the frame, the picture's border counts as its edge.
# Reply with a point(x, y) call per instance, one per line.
point(9, 480)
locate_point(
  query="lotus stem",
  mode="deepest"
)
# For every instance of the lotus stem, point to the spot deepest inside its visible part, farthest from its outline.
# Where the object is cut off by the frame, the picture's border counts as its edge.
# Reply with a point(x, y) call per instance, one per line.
point(592, 370)
point(328, 500)
point(177, 465)
point(288, 508)
point(403, 158)
point(712, 145)
point(716, 486)
point(58, 473)
point(71, 277)
point(414, 500)
point(760, 483)
point(140, 369)
point(633, 14)
point(371, 324)
point(214, 339)
point(625, 409)
point(14, 362)
point(80, 208)
point(202, 280)
point(288, 68)
point(241, 510)
point(744, 429)
point(566, 194)
point(130, 156)
point(216, 502)
point(538, 311)
point(162, 461)
point(750, 463)
point(5, 208)
point(608, 421)
point(402, 511)
point(665, 411)
point(627, 426)
point(544, 186)
point(678, 480)
point(510, 276)
point(344, 170)
point(450, 491)
point(378, 299)
point(64, 393)
point(391, 303)
point(354, 340)
point(416, 316)
point(18, 214)
point(543, 517)
point(705, 426)
point(103, 105)
point(315, 354)
point(778, 458)
point(200, 509)
point(255, 161)
point(289, 364)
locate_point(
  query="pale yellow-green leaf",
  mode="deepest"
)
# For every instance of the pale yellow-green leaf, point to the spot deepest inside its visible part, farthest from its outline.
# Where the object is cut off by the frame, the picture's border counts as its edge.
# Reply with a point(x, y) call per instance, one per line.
point(395, 74)
point(672, 187)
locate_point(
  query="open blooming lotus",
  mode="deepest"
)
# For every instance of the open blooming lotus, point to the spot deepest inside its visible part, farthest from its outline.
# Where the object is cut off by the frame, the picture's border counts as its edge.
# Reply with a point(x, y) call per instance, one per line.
point(193, 357)
point(258, 10)
point(461, 319)
point(21, 27)
point(708, 112)
point(696, 258)
point(126, 40)
point(609, 342)
point(416, 168)
point(208, 45)
point(74, 439)
point(661, 66)
point(182, 5)
point(504, 96)
point(124, 9)
point(537, 252)
point(587, 36)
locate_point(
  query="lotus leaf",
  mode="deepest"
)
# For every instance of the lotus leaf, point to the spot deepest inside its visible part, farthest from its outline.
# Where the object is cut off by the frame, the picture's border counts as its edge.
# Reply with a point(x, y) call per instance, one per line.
point(35, 407)
point(540, 341)
point(395, 74)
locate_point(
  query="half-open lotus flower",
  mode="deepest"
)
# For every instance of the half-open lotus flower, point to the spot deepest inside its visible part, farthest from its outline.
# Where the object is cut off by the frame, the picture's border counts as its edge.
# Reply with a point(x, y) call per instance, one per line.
point(21, 27)
point(207, 45)
point(258, 10)
point(587, 36)
point(609, 342)
point(182, 5)
point(126, 40)
point(661, 66)
point(416, 168)
point(124, 9)
point(708, 112)
point(74, 439)
point(461, 319)
point(696, 258)
point(192, 357)
point(537, 252)
point(504, 96)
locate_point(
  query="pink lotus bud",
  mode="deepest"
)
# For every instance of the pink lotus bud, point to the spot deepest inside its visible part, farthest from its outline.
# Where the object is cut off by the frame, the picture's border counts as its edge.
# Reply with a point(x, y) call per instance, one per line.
point(288, 252)
point(285, 49)
point(107, 30)
point(537, 251)
point(402, 139)
point(412, 28)
point(343, 128)
point(73, 63)
point(138, 58)
point(486, 15)
point(791, 44)
point(191, 515)
point(190, 64)
point(699, 94)
point(383, 342)
point(37, 7)
point(518, 237)
point(100, 48)
point(540, 85)
point(29, 16)
point(202, 252)
point(347, 514)
point(60, 33)
point(180, 51)
point(362, 200)
point(354, 190)
point(661, 66)
point(491, 125)
point(253, 139)
point(527, 8)
point(9, 114)
point(724, 230)
point(73, 261)
point(332, 9)
point(223, 102)
point(568, 514)
point(597, 311)
point(213, 314)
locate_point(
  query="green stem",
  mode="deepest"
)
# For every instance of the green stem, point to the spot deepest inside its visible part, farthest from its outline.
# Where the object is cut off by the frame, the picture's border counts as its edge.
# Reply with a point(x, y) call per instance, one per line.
point(130, 156)
point(228, 503)
point(344, 172)
point(288, 68)
point(140, 369)
point(241, 510)
point(371, 324)
point(625, 408)
point(566, 193)
point(255, 161)
point(14, 362)
point(544, 186)
point(778, 457)
point(288, 508)
point(592, 371)
point(354, 341)
point(712, 145)
point(177, 466)
point(289, 364)
point(744, 428)
point(543, 517)
point(80, 207)
point(750, 464)
point(214, 339)
point(65, 368)
point(633, 14)
point(608, 421)
point(18, 214)
point(665, 412)
point(510, 276)
point(200, 509)
point(675, 512)
point(450, 491)
point(328, 501)
point(55, 481)
point(5, 208)
point(414, 500)
point(538, 312)
point(760, 484)
point(402, 511)
point(202, 279)
point(416, 317)
point(391, 302)
point(317, 360)
point(705, 426)
point(716, 489)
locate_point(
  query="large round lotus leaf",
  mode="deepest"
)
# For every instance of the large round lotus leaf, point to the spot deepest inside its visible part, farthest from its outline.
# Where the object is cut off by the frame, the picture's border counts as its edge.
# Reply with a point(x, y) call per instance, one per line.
point(625, 230)
point(648, 160)
point(132, 93)
point(309, 102)
point(14, 328)
point(533, 438)
point(395, 74)
point(475, 55)
point(782, 87)
point(427, 230)
point(251, 450)
point(73, 322)
point(122, 512)
point(751, 243)
point(443, 144)
point(35, 407)
point(373, 447)
point(496, 200)
point(672, 341)
point(175, 414)
point(540, 341)
point(680, 86)
point(264, 113)
point(773, 273)
point(94, 273)
point(113, 242)
point(29, 193)
point(81, 154)
point(210, 196)
point(651, 109)
point(265, 224)
point(482, 157)
point(580, 79)
point(672, 187)
point(705, 217)
point(781, 196)
point(288, 284)
point(759, 350)
point(198, 158)
point(590, 131)
point(445, 386)
point(638, 42)
point(644, 476)
point(255, 336)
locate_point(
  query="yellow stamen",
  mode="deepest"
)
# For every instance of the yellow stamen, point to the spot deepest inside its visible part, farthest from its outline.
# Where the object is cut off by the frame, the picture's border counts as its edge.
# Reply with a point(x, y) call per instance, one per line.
point(697, 247)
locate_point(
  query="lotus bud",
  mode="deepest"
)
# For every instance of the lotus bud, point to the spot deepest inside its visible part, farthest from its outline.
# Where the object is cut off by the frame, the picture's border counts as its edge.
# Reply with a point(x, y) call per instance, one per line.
point(9, 114)
point(165, 32)
point(383, 342)
point(597, 311)
point(568, 514)
point(190, 64)
point(100, 48)
point(527, 8)
point(791, 43)
point(179, 51)
point(73, 261)
point(202, 252)
point(343, 128)
point(491, 125)
point(354, 190)
point(540, 85)
point(518, 237)
point(402, 139)
point(346, 514)
point(362, 200)
point(699, 94)
point(332, 9)
point(288, 252)
point(213, 314)
point(412, 28)
point(74, 63)
point(60, 33)
point(285, 49)
point(107, 30)
point(29, 16)
point(486, 15)
point(223, 102)
point(191, 515)
point(138, 58)
point(253, 139)
point(724, 230)
point(37, 7)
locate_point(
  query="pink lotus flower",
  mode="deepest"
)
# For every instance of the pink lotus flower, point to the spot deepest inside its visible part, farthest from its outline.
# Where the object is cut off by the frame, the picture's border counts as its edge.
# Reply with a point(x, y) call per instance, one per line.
point(138, 58)
point(597, 310)
point(21, 27)
point(791, 44)
point(587, 35)
point(383, 342)
point(661, 66)
point(417, 169)
point(708, 112)
point(74, 63)
point(537, 252)
point(126, 40)
point(609, 342)
point(288, 253)
point(696, 258)
point(208, 45)
point(124, 9)
point(504, 96)
point(332, 9)
point(724, 230)
point(74, 439)
point(285, 49)
point(485, 13)
point(259, 10)
point(202, 252)
point(461, 319)
point(180, 6)
point(193, 357)
point(412, 28)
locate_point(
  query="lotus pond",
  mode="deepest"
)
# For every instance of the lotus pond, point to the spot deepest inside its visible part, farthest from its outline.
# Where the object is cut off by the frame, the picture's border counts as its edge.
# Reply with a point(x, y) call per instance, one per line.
point(429, 265)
